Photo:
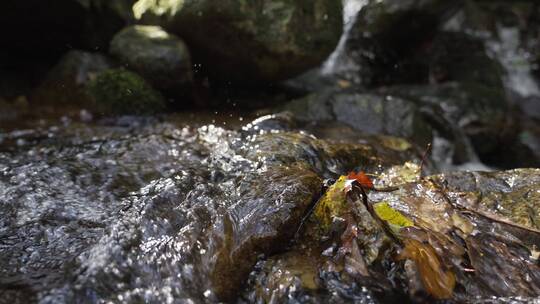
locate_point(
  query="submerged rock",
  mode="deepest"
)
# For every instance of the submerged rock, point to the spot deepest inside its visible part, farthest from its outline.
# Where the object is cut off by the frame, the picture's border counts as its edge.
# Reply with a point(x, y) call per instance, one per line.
point(250, 42)
point(118, 91)
point(161, 58)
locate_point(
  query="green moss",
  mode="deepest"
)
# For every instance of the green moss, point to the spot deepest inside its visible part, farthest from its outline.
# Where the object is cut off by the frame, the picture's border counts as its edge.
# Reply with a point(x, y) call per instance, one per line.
point(118, 91)
point(332, 204)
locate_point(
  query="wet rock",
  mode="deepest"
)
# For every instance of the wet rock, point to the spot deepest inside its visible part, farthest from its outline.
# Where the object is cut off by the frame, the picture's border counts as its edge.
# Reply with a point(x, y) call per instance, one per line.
point(491, 215)
point(472, 227)
point(508, 194)
point(66, 83)
point(118, 91)
point(251, 41)
point(153, 211)
point(368, 113)
point(161, 58)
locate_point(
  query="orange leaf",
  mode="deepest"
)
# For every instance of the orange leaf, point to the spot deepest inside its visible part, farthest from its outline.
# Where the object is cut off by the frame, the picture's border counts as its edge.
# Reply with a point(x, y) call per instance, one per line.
point(361, 178)
point(437, 281)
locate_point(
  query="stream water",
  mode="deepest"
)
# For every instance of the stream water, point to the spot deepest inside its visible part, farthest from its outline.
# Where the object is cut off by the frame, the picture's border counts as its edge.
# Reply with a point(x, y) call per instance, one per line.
point(205, 207)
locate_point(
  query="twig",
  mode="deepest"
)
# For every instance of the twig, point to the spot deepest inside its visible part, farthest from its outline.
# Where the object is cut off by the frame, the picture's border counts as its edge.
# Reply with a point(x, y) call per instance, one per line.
point(424, 157)
point(372, 212)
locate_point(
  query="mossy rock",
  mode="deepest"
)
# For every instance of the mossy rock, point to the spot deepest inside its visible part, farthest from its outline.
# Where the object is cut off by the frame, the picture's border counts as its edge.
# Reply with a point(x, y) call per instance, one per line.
point(161, 58)
point(118, 91)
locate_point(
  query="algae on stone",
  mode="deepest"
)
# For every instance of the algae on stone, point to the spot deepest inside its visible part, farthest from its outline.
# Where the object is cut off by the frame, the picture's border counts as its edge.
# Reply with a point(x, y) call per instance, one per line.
point(118, 91)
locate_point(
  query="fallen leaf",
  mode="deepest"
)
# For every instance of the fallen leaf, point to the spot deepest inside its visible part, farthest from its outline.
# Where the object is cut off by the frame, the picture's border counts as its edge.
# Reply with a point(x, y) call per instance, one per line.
point(437, 281)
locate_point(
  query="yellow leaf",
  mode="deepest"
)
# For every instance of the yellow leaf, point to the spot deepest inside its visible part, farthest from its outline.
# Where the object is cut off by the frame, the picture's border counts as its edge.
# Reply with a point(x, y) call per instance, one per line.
point(392, 216)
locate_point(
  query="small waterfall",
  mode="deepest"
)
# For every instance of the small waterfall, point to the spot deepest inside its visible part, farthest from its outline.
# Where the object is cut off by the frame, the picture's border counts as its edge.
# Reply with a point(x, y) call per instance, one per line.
point(515, 61)
point(338, 60)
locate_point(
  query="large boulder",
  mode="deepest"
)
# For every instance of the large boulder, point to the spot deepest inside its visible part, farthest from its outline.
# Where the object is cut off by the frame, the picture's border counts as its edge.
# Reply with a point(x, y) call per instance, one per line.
point(161, 58)
point(457, 56)
point(251, 41)
point(510, 31)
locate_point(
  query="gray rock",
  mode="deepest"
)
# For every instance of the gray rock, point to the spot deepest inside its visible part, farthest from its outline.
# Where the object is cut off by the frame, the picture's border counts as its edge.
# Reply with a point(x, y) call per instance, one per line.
point(462, 109)
point(368, 113)
point(161, 58)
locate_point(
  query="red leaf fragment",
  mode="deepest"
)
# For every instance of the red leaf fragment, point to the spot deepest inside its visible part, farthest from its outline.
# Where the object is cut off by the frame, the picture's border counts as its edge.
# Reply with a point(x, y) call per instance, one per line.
point(361, 178)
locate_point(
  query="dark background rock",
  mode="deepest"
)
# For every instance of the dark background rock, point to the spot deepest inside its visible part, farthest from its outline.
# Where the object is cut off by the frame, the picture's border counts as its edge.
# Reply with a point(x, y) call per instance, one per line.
point(66, 83)
point(457, 56)
point(35, 31)
point(35, 34)
point(386, 37)
point(250, 42)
